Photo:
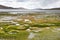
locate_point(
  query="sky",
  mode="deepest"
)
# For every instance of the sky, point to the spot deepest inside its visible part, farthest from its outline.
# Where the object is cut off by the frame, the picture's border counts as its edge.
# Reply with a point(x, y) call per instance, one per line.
point(31, 4)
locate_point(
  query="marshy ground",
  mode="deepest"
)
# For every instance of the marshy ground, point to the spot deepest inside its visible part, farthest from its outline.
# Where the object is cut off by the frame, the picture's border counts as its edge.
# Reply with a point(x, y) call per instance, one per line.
point(40, 26)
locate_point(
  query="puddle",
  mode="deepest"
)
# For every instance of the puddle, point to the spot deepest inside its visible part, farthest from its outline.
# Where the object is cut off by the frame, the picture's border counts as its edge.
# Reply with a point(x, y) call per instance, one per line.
point(31, 35)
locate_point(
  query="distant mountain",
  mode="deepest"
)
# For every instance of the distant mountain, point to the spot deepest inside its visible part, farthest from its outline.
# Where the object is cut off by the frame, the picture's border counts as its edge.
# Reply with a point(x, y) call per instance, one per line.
point(47, 9)
point(5, 7)
point(55, 9)
point(52, 9)
point(21, 8)
point(37, 9)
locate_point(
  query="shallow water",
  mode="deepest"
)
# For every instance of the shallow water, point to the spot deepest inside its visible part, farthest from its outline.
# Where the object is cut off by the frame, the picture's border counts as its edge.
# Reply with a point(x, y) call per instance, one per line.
point(45, 35)
point(31, 35)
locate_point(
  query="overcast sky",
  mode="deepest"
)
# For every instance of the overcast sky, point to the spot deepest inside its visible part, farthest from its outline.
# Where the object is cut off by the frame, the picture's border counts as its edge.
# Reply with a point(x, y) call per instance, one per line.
point(31, 4)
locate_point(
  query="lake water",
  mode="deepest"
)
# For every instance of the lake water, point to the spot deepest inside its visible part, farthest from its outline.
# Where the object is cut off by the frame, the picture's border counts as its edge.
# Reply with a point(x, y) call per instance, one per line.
point(27, 11)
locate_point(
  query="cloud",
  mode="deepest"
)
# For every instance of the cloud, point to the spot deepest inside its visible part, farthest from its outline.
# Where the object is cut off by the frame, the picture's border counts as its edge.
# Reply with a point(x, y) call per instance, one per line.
point(31, 4)
point(21, 0)
point(53, 4)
